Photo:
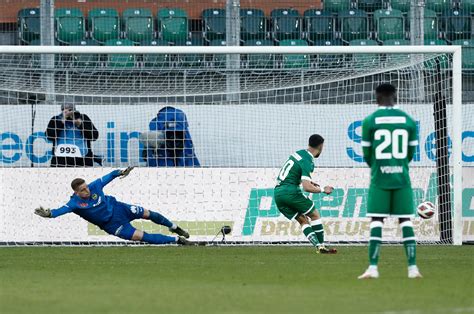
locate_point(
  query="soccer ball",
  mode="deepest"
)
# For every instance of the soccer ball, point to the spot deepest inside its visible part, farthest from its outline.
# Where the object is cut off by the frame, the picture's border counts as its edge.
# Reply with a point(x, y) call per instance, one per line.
point(426, 210)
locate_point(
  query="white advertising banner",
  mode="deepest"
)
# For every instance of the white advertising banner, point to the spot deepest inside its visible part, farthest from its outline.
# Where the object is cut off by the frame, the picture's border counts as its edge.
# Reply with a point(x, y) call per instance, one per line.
point(223, 136)
point(205, 199)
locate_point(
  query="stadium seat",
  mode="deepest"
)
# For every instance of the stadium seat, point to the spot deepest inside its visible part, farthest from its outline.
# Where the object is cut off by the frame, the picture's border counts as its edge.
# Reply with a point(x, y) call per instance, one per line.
point(431, 64)
point(336, 6)
point(439, 6)
point(192, 60)
point(173, 25)
point(85, 60)
point(253, 24)
point(431, 24)
point(354, 25)
point(295, 61)
point(219, 60)
point(402, 5)
point(138, 24)
point(214, 24)
point(389, 24)
point(155, 60)
point(104, 24)
point(395, 58)
point(467, 5)
point(69, 25)
point(319, 25)
point(458, 25)
point(370, 5)
point(29, 24)
point(467, 53)
point(120, 60)
point(286, 24)
point(263, 61)
point(364, 60)
point(326, 60)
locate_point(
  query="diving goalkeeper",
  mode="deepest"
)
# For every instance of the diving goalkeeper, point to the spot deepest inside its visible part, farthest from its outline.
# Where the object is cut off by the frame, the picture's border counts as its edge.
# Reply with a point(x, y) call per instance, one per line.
point(112, 216)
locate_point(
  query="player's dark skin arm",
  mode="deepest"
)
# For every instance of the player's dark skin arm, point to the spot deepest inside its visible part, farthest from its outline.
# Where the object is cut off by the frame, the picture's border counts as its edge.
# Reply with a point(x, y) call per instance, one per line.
point(367, 151)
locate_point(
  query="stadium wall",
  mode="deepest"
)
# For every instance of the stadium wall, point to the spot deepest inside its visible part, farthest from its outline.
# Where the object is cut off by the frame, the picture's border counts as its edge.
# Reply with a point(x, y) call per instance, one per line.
point(223, 136)
point(203, 200)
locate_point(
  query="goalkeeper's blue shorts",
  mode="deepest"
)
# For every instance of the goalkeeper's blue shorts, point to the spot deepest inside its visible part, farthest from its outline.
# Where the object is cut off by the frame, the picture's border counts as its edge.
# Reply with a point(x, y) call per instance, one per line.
point(119, 225)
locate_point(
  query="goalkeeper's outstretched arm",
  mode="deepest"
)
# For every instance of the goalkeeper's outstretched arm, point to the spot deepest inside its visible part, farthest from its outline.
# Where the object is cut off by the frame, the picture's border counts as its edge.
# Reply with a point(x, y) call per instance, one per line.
point(53, 213)
point(114, 174)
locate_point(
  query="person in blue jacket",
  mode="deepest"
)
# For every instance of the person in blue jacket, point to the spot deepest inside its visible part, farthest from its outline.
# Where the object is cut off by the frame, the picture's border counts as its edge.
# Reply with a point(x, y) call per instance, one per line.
point(177, 149)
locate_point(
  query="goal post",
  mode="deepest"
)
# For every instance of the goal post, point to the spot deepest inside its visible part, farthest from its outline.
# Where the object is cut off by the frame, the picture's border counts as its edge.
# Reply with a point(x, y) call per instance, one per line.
point(278, 96)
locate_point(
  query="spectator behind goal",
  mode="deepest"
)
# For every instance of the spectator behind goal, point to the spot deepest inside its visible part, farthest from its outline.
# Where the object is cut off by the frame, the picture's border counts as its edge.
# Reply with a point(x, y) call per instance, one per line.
point(169, 143)
point(71, 133)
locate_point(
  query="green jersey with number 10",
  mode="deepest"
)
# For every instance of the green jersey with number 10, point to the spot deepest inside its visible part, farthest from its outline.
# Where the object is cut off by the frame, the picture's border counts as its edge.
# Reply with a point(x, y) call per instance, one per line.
point(389, 138)
point(299, 166)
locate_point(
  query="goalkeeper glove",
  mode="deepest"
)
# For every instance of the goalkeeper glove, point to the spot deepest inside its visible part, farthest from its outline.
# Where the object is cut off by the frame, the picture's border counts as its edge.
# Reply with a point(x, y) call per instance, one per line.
point(125, 172)
point(43, 212)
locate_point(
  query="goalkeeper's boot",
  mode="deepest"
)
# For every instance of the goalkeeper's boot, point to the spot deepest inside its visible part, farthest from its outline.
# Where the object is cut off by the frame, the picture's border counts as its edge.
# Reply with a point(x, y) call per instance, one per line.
point(184, 241)
point(371, 273)
point(324, 250)
point(179, 231)
point(413, 272)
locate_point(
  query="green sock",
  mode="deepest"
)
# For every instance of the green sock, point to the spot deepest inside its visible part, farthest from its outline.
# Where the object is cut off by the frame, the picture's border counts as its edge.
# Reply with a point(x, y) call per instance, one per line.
point(310, 234)
point(317, 226)
point(409, 242)
point(375, 241)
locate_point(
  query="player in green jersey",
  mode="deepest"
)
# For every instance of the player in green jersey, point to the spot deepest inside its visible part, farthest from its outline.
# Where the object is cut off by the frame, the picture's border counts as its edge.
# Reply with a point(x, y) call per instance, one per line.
point(290, 200)
point(389, 138)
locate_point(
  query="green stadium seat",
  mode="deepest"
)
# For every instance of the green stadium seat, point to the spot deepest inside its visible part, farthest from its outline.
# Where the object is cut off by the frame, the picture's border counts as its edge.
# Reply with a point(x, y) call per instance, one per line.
point(431, 24)
point(120, 60)
point(214, 21)
point(439, 6)
point(336, 5)
point(354, 25)
point(138, 24)
point(396, 58)
point(458, 25)
point(370, 5)
point(29, 24)
point(319, 25)
point(467, 53)
point(431, 64)
point(286, 24)
point(90, 61)
point(364, 60)
point(69, 25)
point(326, 60)
point(402, 5)
point(294, 61)
point(173, 25)
point(155, 60)
point(263, 61)
point(467, 5)
point(219, 60)
point(104, 24)
point(252, 24)
point(389, 24)
point(192, 60)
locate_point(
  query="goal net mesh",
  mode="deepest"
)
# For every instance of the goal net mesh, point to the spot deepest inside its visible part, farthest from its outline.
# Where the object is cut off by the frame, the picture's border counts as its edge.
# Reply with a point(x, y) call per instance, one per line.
point(208, 133)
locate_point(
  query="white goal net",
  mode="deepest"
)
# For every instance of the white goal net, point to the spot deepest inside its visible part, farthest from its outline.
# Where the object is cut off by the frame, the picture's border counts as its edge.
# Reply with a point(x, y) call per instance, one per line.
point(209, 128)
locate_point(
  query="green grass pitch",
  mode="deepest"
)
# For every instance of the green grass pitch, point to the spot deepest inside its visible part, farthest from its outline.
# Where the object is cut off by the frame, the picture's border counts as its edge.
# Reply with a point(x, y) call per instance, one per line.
point(231, 280)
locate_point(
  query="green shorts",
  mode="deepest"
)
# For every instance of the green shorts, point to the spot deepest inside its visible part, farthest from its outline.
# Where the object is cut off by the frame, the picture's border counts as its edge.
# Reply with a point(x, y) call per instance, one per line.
point(291, 202)
point(395, 203)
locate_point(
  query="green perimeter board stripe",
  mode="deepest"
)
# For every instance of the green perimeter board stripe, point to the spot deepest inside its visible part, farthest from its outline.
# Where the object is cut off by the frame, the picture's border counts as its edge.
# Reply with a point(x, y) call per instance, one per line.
point(196, 228)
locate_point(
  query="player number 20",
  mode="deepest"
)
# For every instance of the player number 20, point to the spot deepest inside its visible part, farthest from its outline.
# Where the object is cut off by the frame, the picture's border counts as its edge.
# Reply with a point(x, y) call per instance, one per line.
point(285, 170)
point(398, 138)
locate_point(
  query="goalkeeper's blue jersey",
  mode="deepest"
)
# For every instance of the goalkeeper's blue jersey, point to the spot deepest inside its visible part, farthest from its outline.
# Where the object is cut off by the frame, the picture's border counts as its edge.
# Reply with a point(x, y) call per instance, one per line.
point(98, 208)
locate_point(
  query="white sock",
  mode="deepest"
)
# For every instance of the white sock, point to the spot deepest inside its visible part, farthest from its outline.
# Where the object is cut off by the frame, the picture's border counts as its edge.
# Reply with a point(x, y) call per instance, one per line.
point(373, 268)
point(174, 226)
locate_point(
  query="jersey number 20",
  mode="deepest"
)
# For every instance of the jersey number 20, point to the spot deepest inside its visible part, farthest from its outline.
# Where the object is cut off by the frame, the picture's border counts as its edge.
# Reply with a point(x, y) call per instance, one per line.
point(398, 139)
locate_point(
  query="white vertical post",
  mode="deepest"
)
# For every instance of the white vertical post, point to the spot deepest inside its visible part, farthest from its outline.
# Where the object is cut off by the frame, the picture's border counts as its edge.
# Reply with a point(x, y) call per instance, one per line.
point(233, 39)
point(47, 39)
point(457, 146)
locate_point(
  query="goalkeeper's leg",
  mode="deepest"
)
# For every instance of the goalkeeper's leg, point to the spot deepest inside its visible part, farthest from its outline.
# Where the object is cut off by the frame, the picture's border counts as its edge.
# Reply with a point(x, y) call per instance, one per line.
point(162, 220)
point(128, 232)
